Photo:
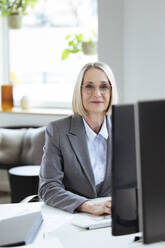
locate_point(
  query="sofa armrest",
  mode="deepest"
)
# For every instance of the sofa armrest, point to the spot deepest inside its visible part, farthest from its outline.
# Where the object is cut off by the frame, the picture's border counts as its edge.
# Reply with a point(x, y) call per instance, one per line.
point(10, 147)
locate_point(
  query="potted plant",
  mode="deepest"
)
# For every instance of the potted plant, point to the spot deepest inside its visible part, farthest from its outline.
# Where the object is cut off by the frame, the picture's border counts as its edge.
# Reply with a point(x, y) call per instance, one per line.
point(14, 9)
point(89, 45)
point(78, 43)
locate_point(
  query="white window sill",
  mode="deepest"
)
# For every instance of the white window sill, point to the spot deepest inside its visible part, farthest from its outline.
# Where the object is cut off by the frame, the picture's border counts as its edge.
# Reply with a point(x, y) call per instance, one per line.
point(39, 111)
point(31, 117)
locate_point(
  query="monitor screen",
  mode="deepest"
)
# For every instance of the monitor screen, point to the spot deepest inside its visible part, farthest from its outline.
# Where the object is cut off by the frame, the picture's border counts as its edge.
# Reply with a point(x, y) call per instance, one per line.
point(124, 181)
point(150, 132)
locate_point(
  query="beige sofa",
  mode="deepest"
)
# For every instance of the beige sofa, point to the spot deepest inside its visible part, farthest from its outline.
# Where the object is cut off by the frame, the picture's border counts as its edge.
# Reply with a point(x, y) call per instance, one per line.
point(19, 146)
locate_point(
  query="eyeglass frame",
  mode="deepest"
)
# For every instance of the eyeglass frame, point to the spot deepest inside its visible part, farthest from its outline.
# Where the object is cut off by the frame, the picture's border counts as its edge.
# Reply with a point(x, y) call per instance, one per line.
point(103, 91)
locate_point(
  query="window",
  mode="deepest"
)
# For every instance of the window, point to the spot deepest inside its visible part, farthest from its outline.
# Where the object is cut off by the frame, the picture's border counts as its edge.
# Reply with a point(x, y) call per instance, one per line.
point(36, 67)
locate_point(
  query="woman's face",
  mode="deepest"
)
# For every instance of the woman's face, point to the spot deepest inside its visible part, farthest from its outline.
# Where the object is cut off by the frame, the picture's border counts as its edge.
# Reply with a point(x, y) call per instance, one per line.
point(96, 91)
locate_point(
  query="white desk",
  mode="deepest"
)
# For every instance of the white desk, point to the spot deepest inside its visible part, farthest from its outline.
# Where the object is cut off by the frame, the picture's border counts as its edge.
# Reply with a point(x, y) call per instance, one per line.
point(58, 232)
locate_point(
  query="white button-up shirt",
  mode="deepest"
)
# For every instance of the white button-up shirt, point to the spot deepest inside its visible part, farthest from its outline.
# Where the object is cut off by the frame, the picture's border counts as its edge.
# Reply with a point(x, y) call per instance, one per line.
point(97, 148)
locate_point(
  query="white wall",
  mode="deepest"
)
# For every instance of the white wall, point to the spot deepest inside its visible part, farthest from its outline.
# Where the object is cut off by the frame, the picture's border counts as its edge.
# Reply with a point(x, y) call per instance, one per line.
point(144, 50)
point(110, 31)
point(142, 46)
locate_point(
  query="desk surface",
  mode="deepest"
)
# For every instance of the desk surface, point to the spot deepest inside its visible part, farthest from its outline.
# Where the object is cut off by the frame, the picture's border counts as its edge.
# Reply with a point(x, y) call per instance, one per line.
point(58, 231)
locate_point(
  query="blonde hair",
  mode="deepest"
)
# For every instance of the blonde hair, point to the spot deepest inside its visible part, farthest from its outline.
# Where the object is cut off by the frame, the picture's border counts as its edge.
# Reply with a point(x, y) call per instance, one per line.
point(77, 105)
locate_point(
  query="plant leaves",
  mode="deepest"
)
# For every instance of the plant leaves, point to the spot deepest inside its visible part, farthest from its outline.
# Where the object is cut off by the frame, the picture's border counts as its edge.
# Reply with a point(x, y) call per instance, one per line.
point(8, 7)
point(76, 50)
point(65, 54)
point(79, 37)
point(71, 43)
point(67, 37)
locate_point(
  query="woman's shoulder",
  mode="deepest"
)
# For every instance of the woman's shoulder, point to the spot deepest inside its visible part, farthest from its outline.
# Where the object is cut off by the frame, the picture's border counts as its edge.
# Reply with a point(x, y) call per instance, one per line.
point(60, 122)
point(63, 123)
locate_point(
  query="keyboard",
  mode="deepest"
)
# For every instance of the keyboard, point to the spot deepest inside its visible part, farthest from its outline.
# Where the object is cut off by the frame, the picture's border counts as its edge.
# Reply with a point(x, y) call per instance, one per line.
point(92, 222)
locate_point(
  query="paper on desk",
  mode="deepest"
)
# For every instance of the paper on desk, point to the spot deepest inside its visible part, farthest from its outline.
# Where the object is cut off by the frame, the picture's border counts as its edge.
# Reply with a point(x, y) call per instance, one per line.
point(12, 210)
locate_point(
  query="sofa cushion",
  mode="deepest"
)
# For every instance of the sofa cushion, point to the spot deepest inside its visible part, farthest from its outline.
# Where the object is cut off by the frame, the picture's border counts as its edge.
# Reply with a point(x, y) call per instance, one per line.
point(10, 146)
point(32, 147)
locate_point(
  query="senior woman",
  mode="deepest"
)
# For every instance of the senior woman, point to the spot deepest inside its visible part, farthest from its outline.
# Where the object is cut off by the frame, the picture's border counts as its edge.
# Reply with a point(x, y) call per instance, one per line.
point(76, 165)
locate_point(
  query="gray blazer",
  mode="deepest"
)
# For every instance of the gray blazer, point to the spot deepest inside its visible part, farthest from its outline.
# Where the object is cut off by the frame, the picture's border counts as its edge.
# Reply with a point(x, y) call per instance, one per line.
point(66, 176)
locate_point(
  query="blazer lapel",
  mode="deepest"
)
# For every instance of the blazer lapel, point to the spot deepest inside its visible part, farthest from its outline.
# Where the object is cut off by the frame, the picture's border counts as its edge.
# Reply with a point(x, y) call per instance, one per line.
point(77, 137)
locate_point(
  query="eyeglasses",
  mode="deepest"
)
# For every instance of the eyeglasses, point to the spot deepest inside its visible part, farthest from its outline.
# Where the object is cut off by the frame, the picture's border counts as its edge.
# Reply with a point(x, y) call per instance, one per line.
point(90, 88)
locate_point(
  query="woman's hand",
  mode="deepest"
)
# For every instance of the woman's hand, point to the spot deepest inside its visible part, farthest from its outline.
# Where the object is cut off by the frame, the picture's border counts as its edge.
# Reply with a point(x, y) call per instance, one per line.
point(96, 208)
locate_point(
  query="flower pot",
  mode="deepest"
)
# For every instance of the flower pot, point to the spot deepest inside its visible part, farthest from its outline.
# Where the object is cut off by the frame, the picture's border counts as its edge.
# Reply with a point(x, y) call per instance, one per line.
point(89, 48)
point(15, 20)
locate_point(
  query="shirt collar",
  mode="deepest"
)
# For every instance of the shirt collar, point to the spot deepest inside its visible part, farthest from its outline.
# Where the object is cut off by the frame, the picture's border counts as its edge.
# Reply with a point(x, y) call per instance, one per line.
point(104, 132)
point(92, 135)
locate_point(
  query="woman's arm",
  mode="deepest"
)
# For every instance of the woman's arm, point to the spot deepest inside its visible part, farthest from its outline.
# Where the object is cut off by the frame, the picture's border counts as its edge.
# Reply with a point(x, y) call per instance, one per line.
point(51, 188)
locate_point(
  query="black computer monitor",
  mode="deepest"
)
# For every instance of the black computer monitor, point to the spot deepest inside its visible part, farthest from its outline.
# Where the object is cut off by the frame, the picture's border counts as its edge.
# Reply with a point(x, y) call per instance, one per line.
point(150, 136)
point(124, 181)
